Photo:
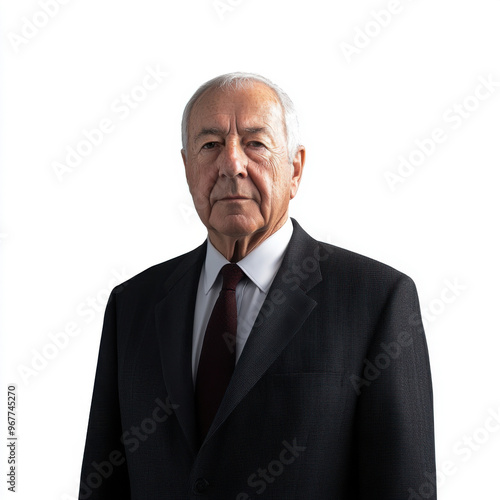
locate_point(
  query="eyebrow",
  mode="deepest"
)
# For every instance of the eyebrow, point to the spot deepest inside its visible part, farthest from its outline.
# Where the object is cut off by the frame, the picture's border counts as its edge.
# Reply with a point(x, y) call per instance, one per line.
point(208, 131)
point(218, 131)
point(256, 130)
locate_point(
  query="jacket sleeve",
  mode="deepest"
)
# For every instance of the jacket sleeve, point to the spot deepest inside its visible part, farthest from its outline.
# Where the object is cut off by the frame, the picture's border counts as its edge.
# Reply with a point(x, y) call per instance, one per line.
point(104, 473)
point(394, 422)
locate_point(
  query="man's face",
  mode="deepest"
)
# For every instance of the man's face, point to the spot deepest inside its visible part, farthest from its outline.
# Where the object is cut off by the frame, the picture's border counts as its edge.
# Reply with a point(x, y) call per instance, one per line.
point(236, 162)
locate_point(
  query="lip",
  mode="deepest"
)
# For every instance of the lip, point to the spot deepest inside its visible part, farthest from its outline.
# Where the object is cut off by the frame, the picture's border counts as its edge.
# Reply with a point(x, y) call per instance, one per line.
point(233, 198)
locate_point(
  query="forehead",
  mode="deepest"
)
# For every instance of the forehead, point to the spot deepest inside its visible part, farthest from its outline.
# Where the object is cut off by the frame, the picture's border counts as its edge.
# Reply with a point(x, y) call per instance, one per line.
point(254, 104)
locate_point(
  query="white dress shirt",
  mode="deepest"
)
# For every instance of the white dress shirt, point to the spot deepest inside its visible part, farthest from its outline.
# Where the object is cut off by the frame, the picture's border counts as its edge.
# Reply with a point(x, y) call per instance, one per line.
point(260, 267)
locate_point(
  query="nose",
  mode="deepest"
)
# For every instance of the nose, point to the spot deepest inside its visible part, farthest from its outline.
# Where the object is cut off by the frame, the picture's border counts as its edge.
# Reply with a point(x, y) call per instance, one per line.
point(233, 161)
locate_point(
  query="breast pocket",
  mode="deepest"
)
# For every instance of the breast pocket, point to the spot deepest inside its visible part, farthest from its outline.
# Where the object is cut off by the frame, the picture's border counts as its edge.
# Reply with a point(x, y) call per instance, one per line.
point(307, 395)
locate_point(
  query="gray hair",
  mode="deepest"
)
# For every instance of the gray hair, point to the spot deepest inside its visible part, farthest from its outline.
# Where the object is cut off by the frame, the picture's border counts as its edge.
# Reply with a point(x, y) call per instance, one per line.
point(239, 80)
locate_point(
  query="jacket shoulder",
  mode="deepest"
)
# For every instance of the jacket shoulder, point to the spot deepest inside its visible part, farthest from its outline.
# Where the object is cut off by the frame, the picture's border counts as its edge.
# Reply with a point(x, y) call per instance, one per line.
point(346, 268)
point(357, 265)
point(154, 279)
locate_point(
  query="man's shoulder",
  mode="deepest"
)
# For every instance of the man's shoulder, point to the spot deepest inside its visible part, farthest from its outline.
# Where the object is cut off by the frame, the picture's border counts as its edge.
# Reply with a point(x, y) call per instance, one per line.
point(362, 276)
point(349, 266)
point(358, 264)
point(156, 278)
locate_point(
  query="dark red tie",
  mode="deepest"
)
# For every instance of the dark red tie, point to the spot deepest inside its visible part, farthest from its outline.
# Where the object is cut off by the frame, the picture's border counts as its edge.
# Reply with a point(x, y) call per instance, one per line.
point(218, 353)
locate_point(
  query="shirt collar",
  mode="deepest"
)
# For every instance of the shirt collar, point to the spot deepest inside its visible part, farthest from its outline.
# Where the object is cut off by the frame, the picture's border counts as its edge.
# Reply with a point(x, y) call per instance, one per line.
point(271, 251)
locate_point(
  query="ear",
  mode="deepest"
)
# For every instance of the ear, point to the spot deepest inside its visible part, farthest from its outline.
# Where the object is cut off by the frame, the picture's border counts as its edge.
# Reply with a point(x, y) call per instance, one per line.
point(298, 165)
point(184, 159)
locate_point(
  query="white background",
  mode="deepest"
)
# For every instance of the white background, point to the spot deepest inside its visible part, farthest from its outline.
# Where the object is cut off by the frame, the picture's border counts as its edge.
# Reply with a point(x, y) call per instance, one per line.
point(67, 239)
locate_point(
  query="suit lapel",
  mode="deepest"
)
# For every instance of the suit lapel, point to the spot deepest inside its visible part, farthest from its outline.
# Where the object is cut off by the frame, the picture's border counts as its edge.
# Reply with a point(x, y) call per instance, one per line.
point(174, 327)
point(274, 330)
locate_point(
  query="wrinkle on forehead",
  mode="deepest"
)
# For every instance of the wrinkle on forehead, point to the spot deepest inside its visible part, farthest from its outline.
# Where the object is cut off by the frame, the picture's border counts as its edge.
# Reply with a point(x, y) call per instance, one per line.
point(254, 107)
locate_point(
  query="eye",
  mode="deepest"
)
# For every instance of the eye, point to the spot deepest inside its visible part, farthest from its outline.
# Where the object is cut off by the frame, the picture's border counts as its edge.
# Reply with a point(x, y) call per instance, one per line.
point(256, 144)
point(209, 145)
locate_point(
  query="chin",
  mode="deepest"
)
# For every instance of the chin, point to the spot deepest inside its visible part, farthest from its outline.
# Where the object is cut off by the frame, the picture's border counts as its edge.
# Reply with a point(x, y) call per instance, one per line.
point(237, 225)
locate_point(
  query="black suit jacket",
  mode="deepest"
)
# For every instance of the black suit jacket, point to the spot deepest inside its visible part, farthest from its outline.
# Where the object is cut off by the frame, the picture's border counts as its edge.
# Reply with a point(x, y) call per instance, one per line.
point(330, 399)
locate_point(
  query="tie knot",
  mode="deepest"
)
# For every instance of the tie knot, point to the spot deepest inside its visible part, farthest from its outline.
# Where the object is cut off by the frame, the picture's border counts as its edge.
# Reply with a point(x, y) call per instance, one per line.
point(231, 276)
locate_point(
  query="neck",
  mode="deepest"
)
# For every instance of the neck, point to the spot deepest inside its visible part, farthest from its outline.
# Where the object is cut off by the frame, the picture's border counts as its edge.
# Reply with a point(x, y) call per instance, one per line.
point(236, 248)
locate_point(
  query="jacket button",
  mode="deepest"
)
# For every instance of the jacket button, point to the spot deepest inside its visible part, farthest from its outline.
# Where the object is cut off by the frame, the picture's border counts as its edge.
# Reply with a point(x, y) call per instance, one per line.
point(200, 485)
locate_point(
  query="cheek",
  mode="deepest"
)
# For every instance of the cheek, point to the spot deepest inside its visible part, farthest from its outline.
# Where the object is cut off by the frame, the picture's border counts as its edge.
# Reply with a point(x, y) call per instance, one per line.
point(201, 182)
point(275, 180)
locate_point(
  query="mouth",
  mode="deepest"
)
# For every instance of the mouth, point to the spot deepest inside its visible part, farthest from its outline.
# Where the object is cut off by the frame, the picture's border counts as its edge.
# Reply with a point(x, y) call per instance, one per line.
point(234, 198)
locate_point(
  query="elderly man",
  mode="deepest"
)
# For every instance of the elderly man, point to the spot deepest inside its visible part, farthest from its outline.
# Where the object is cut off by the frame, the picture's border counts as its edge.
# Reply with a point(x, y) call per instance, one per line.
point(262, 364)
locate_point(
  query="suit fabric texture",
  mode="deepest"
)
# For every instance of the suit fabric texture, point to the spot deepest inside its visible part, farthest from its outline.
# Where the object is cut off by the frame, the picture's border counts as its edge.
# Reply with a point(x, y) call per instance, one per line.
point(330, 399)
